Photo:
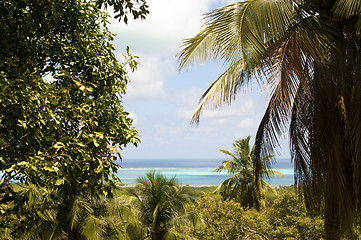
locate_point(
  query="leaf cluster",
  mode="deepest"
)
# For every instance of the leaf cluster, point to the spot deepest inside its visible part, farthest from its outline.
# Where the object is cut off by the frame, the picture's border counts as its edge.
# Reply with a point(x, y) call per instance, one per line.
point(286, 219)
point(159, 203)
point(138, 8)
point(62, 122)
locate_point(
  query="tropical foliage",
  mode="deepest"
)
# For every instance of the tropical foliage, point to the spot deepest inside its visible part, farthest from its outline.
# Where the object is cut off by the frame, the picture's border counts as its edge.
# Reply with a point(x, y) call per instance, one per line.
point(285, 219)
point(306, 53)
point(119, 217)
point(61, 118)
point(43, 216)
point(243, 186)
point(159, 202)
point(289, 220)
point(224, 219)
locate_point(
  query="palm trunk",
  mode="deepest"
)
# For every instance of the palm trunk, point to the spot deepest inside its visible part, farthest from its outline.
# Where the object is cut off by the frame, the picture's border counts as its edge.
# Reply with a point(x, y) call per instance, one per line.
point(332, 222)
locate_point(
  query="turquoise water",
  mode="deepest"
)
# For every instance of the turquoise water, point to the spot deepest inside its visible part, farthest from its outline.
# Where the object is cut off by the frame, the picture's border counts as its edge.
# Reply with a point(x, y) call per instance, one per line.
point(201, 176)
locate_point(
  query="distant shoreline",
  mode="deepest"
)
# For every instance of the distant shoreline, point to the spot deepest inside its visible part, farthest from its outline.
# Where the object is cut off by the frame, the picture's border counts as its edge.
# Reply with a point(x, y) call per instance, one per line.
point(195, 176)
point(188, 163)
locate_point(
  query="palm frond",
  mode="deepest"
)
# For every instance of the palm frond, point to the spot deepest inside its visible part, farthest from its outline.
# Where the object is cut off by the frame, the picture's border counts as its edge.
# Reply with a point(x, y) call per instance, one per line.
point(275, 173)
point(239, 34)
point(266, 185)
point(306, 54)
point(288, 67)
point(220, 36)
point(347, 8)
point(93, 227)
point(223, 90)
point(78, 210)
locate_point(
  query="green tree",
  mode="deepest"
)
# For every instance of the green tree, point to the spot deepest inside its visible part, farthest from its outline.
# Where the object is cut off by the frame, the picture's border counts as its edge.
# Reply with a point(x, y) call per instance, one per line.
point(243, 186)
point(61, 114)
point(158, 202)
point(60, 132)
point(307, 54)
point(288, 219)
point(225, 220)
point(44, 216)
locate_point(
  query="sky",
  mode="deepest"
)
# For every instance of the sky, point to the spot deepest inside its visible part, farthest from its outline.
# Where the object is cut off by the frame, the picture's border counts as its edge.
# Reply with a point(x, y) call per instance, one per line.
point(161, 99)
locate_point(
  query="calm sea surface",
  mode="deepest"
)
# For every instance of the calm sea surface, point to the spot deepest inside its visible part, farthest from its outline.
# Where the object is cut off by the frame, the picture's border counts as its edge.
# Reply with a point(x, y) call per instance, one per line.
point(193, 172)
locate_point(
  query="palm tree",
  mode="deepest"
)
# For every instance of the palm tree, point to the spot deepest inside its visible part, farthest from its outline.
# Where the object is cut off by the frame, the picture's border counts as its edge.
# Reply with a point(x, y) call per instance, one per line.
point(159, 201)
point(307, 54)
point(242, 186)
point(45, 215)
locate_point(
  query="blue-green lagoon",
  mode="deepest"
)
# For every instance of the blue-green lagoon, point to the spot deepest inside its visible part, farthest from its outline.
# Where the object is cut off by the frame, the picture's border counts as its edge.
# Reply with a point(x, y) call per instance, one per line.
point(197, 173)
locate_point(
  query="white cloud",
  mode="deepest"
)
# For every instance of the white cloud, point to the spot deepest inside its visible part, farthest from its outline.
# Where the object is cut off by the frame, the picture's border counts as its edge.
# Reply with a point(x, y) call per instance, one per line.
point(156, 40)
point(164, 121)
point(148, 81)
point(237, 108)
point(168, 22)
point(248, 124)
point(240, 108)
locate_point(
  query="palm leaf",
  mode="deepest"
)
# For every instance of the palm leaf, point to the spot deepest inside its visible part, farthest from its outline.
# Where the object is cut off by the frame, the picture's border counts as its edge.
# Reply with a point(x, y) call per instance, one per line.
point(239, 34)
point(223, 90)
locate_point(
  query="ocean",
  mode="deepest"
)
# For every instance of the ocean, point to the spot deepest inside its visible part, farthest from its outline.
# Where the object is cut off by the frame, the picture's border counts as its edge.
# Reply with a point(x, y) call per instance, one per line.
point(193, 172)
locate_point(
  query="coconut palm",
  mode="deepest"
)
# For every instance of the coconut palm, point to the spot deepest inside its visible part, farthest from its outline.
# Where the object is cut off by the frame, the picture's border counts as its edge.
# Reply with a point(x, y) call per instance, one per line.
point(158, 201)
point(45, 215)
point(307, 54)
point(242, 186)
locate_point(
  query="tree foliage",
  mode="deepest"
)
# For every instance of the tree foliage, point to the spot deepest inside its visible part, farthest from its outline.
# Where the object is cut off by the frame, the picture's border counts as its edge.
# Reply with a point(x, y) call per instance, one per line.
point(158, 202)
point(307, 55)
point(61, 119)
point(243, 186)
point(289, 220)
point(138, 8)
point(286, 219)
point(224, 220)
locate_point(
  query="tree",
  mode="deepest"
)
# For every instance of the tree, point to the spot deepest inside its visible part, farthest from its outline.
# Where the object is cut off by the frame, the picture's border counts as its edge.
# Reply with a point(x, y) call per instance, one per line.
point(47, 217)
point(289, 220)
point(159, 201)
point(243, 186)
point(61, 118)
point(226, 220)
point(44, 216)
point(307, 54)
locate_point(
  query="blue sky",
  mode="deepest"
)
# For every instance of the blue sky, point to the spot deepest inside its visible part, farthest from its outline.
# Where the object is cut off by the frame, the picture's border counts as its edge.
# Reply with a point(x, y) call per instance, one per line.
point(162, 100)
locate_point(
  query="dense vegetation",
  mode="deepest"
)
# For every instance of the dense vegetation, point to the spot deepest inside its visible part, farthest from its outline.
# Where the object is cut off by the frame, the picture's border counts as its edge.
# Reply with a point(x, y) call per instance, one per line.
point(62, 124)
point(307, 55)
point(61, 118)
point(158, 208)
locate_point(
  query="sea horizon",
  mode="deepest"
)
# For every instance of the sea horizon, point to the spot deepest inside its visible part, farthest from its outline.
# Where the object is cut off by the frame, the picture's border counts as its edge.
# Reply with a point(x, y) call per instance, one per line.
point(188, 162)
point(193, 172)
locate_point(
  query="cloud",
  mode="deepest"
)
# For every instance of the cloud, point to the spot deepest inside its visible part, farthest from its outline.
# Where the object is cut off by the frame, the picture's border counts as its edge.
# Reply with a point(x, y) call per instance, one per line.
point(161, 97)
point(243, 108)
point(168, 22)
point(236, 109)
point(241, 118)
point(248, 124)
point(148, 81)
point(156, 40)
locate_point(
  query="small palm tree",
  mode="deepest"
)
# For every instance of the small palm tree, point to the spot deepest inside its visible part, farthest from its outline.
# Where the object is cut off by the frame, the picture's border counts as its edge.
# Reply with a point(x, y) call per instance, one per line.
point(242, 186)
point(158, 201)
point(46, 215)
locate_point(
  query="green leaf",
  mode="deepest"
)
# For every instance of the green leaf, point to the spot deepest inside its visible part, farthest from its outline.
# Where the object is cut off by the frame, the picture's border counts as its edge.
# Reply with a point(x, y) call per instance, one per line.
point(59, 182)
